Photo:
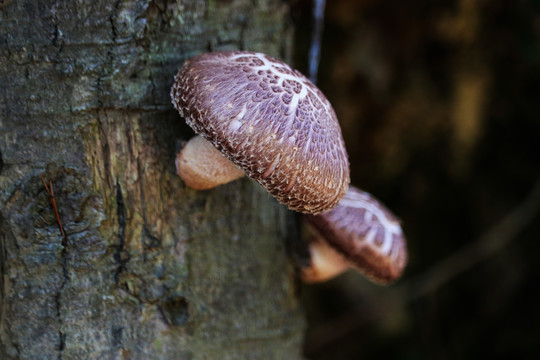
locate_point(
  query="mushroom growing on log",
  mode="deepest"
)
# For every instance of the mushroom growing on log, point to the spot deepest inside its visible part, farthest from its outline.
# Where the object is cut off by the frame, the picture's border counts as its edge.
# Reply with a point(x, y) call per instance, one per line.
point(360, 233)
point(269, 120)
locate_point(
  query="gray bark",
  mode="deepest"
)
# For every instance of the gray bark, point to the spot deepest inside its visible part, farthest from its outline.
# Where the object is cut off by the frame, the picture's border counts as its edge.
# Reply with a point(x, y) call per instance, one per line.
point(148, 269)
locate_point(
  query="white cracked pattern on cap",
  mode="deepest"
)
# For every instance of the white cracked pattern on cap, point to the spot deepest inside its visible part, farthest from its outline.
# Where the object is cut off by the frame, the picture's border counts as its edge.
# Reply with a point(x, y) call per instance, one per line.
point(366, 233)
point(271, 121)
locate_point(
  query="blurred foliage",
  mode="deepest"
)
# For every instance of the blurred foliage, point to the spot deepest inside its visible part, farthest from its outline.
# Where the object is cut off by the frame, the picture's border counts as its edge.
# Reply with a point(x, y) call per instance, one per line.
point(438, 102)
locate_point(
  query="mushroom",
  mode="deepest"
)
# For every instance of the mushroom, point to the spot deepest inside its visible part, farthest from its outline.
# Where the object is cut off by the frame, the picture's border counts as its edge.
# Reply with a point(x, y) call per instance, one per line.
point(360, 233)
point(269, 120)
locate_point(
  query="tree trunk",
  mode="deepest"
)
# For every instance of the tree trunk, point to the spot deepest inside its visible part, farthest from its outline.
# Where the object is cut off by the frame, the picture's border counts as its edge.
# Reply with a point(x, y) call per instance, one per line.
point(147, 268)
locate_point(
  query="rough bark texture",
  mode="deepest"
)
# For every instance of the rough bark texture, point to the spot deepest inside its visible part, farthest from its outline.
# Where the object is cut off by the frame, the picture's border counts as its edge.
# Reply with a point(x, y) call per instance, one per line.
point(148, 269)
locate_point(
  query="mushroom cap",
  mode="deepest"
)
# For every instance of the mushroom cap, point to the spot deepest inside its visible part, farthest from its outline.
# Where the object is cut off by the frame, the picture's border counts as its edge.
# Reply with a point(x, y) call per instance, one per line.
point(366, 233)
point(271, 121)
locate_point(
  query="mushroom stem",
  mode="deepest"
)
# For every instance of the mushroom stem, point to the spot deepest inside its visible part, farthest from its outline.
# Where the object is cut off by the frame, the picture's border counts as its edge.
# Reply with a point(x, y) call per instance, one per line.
point(203, 167)
point(325, 262)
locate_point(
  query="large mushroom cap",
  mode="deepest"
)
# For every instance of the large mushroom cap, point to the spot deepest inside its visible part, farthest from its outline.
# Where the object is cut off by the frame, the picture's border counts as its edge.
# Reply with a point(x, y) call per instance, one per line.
point(366, 233)
point(271, 121)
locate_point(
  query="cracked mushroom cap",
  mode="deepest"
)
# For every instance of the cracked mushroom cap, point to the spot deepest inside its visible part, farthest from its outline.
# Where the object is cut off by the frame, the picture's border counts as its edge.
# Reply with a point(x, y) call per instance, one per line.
point(366, 234)
point(269, 120)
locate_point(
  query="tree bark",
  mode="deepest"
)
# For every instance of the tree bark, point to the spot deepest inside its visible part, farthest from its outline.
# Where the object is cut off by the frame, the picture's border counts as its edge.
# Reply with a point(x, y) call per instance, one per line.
point(148, 268)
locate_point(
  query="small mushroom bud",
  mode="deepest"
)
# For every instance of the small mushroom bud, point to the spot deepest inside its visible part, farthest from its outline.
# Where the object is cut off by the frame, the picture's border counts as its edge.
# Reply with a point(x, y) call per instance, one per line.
point(270, 121)
point(364, 233)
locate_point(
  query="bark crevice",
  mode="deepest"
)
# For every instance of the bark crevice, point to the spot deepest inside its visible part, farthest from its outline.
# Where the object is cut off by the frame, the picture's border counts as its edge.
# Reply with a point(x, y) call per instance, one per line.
point(121, 256)
point(58, 295)
point(1, 162)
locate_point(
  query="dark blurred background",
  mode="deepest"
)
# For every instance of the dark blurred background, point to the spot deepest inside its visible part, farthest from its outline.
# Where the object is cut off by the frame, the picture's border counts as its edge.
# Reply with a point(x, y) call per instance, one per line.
point(439, 104)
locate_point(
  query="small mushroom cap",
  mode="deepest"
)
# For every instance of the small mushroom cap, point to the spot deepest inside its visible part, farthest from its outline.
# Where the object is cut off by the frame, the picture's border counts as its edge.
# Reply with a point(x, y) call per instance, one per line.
point(366, 233)
point(269, 120)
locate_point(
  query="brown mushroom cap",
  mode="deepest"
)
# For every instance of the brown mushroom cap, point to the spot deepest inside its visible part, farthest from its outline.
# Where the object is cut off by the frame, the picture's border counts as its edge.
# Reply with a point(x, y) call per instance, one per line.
point(269, 120)
point(366, 233)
